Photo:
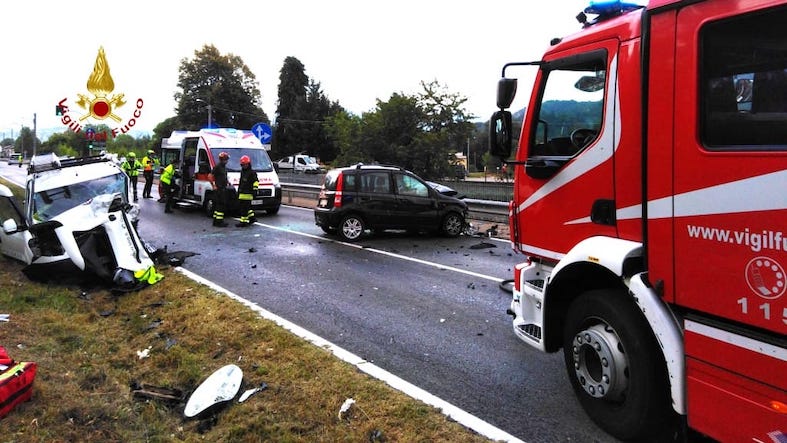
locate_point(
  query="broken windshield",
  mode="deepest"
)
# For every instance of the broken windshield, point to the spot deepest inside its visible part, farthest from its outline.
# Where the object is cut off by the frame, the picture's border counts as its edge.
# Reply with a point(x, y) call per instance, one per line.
point(50, 203)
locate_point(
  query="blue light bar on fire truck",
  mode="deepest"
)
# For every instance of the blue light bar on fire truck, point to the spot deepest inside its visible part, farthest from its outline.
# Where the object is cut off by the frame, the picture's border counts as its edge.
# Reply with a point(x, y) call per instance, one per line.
point(606, 9)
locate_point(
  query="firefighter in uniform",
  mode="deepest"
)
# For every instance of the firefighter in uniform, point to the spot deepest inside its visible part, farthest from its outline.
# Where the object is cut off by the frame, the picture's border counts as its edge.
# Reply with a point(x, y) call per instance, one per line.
point(149, 164)
point(167, 178)
point(131, 167)
point(218, 178)
point(246, 186)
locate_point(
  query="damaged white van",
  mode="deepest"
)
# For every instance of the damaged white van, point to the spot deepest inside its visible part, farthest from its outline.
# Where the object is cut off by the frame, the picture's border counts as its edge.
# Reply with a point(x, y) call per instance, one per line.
point(77, 220)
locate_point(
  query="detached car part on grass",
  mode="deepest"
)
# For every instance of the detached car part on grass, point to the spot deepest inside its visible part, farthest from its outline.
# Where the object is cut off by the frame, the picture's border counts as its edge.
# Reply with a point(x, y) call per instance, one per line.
point(77, 224)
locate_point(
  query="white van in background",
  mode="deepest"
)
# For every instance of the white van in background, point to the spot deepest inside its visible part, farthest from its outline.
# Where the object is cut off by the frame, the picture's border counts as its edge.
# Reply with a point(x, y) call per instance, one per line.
point(299, 163)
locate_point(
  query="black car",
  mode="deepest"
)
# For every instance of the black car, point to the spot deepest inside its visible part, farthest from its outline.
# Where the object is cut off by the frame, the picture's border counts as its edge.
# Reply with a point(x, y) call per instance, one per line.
point(361, 197)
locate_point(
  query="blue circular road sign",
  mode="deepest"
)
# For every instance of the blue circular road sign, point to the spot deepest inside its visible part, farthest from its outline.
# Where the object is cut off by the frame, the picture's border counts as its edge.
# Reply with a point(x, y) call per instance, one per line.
point(263, 132)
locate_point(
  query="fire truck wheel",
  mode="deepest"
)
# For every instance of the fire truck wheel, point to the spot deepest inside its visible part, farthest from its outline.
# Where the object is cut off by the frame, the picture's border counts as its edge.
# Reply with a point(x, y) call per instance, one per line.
point(615, 365)
point(351, 228)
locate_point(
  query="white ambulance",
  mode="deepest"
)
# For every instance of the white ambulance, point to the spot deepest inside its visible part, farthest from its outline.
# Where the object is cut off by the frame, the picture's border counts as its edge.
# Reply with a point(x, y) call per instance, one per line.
point(196, 152)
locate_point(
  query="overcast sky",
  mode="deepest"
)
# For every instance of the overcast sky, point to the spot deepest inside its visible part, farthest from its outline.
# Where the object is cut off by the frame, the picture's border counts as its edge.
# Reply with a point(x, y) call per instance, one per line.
point(359, 51)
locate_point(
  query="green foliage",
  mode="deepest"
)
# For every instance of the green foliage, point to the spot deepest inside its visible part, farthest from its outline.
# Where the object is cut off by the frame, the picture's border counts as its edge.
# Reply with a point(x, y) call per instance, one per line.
point(419, 132)
point(344, 129)
point(302, 114)
point(219, 87)
point(24, 143)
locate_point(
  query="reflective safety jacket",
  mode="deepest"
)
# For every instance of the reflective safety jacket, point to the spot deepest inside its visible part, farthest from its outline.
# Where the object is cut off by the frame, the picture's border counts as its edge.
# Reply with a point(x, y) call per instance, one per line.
point(148, 163)
point(166, 176)
point(248, 184)
point(131, 167)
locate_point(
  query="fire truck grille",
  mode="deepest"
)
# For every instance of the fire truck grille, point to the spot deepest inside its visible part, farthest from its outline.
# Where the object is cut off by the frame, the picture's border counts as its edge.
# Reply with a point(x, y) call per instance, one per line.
point(532, 330)
point(264, 192)
point(537, 284)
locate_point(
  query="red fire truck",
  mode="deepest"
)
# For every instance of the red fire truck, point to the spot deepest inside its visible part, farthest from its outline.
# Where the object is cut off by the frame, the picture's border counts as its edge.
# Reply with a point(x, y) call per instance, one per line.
point(650, 199)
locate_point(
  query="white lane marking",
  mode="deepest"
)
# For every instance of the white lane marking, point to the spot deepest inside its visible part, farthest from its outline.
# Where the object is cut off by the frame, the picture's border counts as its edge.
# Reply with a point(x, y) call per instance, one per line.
point(390, 254)
point(464, 418)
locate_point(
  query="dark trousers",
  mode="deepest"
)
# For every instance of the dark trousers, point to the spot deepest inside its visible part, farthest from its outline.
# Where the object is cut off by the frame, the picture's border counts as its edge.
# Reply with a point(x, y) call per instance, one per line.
point(168, 191)
point(220, 205)
point(134, 181)
point(246, 214)
point(148, 183)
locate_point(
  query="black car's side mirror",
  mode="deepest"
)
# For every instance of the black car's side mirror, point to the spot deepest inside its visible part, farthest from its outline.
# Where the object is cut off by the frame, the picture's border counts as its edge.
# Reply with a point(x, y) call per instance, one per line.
point(500, 137)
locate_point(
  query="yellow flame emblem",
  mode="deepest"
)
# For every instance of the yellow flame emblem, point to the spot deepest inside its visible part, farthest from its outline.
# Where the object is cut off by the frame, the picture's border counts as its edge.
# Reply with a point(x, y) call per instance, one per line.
point(100, 85)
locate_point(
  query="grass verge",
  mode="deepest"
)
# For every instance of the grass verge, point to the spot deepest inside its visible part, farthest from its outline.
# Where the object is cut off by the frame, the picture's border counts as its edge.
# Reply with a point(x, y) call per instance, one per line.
point(86, 342)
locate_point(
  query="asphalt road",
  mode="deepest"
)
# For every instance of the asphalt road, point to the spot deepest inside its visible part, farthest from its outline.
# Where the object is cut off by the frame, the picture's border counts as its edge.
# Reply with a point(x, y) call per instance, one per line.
point(427, 309)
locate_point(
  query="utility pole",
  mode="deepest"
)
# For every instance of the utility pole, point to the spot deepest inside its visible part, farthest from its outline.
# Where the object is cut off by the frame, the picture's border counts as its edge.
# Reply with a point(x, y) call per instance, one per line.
point(210, 115)
point(34, 135)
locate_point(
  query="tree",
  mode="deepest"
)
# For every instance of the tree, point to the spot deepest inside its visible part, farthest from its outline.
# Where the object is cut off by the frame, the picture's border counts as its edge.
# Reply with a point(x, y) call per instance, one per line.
point(219, 87)
point(421, 132)
point(290, 112)
point(64, 143)
point(447, 127)
point(24, 143)
point(343, 129)
point(163, 130)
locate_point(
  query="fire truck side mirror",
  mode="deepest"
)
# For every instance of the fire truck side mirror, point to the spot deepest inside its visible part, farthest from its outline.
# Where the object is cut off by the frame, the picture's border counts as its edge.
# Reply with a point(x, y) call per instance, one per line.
point(506, 91)
point(500, 134)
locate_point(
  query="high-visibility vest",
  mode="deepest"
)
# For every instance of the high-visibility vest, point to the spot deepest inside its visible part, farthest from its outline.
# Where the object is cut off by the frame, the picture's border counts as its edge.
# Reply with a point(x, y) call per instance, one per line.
point(147, 163)
point(131, 167)
point(166, 176)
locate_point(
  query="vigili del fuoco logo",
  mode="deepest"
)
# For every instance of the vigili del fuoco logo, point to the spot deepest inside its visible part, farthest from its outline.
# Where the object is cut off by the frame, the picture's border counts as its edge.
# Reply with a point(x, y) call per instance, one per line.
point(101, 105)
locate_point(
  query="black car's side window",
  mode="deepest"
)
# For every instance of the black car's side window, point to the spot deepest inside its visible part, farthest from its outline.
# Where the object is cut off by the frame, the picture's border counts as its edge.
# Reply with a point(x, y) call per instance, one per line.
point(376, 182)
point(407, 185)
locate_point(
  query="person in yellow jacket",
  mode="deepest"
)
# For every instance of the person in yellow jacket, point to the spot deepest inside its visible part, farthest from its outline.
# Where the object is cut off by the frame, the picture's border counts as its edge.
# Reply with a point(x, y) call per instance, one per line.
point(149, 164)
point(131, 167)
point(167, 182)
point(246, 186)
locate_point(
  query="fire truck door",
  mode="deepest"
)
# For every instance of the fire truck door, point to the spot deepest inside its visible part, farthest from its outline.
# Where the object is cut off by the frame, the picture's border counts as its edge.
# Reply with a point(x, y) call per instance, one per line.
point(729, 207)
point(730, 202)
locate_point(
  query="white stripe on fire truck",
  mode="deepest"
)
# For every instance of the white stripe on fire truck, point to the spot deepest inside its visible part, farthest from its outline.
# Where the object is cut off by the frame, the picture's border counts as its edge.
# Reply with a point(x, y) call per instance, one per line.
point(726, 198)
point(601, 152)
point(737, 340)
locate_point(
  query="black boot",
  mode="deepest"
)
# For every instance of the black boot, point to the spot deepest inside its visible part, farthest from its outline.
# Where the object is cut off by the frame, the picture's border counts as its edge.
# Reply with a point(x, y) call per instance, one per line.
point(220, 223)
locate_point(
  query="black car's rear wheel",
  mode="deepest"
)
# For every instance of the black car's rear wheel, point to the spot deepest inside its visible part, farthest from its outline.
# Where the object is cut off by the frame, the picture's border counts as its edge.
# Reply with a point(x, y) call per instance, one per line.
point(351, 228)
point(453, 224)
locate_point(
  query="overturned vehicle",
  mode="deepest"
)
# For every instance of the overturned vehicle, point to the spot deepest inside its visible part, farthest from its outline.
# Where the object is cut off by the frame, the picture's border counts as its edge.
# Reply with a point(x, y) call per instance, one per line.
point(77, 223)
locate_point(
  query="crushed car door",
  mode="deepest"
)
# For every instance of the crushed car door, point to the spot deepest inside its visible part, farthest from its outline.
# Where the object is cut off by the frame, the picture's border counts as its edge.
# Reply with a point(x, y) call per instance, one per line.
point(14, 235)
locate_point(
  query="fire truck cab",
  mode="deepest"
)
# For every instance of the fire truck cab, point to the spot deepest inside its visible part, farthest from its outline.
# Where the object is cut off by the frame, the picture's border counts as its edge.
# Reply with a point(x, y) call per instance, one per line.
point(650, 199)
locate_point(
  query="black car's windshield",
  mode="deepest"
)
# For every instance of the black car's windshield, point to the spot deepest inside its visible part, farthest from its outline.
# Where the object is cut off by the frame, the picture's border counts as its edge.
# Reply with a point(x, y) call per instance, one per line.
point(260, 161)
point(53, 202)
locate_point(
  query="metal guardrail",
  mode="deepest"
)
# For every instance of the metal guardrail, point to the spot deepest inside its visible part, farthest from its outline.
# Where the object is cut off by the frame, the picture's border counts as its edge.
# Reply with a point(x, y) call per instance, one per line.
point(486, 210)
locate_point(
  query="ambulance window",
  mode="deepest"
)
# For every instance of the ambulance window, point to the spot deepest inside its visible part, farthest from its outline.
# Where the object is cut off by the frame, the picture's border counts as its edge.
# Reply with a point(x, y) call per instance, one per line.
point(743, 83)
point(572, 107)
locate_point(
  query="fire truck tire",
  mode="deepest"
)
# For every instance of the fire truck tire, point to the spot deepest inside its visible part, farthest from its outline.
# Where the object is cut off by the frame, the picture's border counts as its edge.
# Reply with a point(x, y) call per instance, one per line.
point(615, 365)
point(272, 211)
